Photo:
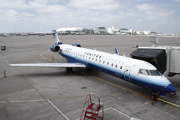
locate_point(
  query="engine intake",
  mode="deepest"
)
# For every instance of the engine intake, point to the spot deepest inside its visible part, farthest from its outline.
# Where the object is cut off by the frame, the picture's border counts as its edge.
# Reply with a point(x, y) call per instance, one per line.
point(55, 48)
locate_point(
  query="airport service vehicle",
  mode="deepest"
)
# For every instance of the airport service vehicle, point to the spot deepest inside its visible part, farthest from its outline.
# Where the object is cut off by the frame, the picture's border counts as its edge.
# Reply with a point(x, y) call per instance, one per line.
point(132, 70)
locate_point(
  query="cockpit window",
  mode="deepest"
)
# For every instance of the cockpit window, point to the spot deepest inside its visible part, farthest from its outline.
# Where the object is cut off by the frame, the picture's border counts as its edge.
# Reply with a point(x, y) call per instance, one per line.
point(154, 73)
point(143, 71)
point(149, 72)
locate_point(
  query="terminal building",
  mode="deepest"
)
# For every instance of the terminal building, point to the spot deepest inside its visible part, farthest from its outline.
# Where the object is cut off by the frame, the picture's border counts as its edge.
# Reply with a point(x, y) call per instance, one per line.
point(100, 31)
point(125, 31)
point(74, 31)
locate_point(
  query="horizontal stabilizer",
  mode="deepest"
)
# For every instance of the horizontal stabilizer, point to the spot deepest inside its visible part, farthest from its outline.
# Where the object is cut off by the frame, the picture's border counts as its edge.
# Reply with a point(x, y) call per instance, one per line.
point(49, 65)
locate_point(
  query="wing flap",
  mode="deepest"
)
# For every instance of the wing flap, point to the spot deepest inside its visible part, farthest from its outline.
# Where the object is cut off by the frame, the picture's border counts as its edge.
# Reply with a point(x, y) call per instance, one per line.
point(50, 65)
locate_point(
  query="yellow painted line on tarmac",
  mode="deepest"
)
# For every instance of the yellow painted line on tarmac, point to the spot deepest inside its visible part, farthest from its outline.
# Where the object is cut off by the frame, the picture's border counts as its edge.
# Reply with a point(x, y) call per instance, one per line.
point(120, 86)
point(168, 102)
point(44, 57)
point(116, 84)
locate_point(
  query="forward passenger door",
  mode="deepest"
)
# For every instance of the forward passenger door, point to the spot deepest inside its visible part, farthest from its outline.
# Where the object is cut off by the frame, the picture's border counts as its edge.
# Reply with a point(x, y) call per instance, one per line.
point(127, 72)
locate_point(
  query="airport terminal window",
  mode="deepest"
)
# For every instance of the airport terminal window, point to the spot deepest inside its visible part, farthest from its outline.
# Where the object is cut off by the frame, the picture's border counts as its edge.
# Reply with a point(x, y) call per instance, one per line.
point(143, 71)
point(154, 73)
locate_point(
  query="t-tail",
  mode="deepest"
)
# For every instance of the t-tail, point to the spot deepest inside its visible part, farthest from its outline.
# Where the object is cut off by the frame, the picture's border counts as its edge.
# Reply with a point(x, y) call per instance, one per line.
point(55, 36)
point(55, 47)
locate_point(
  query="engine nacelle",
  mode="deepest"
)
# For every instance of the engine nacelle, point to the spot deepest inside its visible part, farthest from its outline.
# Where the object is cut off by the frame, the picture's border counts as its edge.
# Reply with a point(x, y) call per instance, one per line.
point(76, 44)
point(55, 48)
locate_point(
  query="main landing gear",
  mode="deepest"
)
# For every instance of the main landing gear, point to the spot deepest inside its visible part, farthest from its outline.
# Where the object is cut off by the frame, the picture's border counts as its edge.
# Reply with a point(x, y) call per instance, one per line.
point(69, 70)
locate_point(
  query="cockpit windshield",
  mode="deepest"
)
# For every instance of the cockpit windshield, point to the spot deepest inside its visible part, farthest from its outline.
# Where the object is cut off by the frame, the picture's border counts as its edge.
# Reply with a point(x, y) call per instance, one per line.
point(149, 72)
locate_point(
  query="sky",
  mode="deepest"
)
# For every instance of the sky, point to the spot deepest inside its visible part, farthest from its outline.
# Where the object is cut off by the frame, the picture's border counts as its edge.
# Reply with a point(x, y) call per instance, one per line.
point(161, 16)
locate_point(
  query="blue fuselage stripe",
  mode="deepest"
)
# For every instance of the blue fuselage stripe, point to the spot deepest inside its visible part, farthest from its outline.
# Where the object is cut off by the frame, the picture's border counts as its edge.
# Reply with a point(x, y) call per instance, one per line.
point(119, 74)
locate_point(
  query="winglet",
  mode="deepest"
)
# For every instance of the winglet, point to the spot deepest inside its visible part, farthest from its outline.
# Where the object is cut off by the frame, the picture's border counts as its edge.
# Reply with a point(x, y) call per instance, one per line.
point(116, 51)
point(55, 36)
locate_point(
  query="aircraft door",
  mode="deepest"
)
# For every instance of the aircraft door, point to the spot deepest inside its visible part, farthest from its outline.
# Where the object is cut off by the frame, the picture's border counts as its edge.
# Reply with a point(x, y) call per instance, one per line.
point(127, 72)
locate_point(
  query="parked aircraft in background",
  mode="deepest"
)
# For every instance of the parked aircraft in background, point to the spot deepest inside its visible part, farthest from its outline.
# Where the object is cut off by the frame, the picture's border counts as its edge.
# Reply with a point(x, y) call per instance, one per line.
point(132, 70)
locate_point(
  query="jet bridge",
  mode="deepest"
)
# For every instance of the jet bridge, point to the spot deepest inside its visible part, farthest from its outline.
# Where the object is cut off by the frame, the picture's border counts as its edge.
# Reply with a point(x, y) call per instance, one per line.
point(165, 58)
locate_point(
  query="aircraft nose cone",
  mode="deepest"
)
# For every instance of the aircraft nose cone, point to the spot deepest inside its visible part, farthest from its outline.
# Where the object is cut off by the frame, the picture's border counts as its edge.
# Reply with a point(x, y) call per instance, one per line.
point(170, 88)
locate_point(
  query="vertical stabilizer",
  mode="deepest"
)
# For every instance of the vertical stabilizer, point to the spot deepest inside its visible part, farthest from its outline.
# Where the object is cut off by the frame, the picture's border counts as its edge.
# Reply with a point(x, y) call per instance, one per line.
point(116, 51)
point(55, 36)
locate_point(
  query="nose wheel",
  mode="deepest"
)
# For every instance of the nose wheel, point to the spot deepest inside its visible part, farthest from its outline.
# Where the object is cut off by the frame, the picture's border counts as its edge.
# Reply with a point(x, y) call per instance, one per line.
point(69, 70)
point(154, 95)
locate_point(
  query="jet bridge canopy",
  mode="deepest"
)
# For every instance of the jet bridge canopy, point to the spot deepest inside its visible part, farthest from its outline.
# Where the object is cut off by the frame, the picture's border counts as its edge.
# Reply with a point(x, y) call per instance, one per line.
point(157, 57)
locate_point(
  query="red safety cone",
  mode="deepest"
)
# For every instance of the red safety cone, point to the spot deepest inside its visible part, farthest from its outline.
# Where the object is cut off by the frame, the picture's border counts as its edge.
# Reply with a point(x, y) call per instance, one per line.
point(4, 73)
point(53, 57)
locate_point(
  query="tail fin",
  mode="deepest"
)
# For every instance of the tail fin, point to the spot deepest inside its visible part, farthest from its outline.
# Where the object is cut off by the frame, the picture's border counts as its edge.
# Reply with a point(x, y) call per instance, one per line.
point(116, 51)
point(55, 36)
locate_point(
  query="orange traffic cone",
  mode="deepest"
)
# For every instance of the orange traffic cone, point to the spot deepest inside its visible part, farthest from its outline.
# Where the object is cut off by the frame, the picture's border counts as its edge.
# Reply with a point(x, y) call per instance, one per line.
point(4, 73)
point(53, 57)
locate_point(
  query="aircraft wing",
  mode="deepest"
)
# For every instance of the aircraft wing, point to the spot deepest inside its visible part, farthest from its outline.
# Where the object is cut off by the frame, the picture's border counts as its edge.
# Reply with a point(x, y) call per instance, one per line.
point(49, 65)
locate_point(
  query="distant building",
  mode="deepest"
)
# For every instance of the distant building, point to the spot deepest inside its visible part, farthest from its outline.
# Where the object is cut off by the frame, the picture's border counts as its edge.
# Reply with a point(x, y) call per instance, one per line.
point(100, 30)
point(139, 33)
point(112, 30)
point(69, 29)
point(149, 33)
point(125, 31)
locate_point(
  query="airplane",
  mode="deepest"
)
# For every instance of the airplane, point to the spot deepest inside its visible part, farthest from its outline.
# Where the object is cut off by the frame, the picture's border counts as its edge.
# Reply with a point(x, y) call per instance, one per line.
point(132, 70)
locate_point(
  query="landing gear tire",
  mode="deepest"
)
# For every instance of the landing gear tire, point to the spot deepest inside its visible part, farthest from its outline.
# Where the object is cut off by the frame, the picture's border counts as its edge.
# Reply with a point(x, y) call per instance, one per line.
point(153, 96)
point(69, 70)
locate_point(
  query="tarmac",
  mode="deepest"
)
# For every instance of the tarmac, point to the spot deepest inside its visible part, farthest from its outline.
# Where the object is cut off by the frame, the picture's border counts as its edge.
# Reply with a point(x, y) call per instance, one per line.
point(39, 93)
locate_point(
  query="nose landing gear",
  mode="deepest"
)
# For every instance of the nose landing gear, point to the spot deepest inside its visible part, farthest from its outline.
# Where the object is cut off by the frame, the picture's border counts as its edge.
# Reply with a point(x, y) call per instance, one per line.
point(154, 95)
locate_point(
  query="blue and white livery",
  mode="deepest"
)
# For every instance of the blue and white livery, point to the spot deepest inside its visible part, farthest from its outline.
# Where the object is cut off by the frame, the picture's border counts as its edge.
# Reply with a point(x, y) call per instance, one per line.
point(132, 70)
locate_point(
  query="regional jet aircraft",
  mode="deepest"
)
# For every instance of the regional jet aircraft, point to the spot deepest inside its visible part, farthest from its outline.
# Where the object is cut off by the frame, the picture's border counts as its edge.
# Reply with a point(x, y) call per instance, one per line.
point(132, 70)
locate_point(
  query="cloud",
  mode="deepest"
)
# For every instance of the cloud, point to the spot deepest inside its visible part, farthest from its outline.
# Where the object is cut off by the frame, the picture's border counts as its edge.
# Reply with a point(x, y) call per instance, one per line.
point(94, 4)
point(13, 4)
point(33, 15)
point(177, 0)
point(145, 7)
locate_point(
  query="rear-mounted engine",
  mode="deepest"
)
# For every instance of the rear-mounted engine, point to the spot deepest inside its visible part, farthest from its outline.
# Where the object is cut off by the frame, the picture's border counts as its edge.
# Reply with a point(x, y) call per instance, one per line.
point(76, 44)
point(55, 48)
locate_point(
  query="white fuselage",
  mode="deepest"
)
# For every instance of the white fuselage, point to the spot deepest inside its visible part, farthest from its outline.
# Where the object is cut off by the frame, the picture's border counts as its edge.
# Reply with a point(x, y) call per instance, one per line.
point(116, 65)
